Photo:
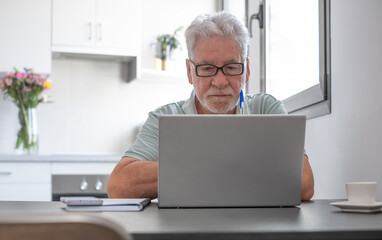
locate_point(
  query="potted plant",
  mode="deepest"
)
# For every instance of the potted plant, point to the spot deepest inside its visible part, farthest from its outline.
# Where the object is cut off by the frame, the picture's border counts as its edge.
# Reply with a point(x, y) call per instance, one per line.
point(165, 45)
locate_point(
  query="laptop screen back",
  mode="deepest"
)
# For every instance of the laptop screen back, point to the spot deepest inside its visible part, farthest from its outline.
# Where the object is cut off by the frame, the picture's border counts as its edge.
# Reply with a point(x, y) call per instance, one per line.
point(230, 160)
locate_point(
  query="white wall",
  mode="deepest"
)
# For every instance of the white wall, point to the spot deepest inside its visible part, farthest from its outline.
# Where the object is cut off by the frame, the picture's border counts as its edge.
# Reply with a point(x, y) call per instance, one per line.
point(95, 111)
point(33, 42)
point(163, 17)
point(346, 145)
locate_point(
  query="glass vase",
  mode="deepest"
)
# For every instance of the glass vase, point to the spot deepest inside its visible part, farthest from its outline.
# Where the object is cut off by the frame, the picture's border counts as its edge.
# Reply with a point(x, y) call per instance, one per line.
point(27, 136)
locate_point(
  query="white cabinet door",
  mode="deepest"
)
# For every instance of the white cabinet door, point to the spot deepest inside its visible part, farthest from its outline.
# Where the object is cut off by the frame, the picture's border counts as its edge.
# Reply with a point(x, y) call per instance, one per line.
point(26, 181)
point(96, 24)
point(26, 192)
point(25, 35)
point(73, 23)
point(118, 24)
point(25, 172)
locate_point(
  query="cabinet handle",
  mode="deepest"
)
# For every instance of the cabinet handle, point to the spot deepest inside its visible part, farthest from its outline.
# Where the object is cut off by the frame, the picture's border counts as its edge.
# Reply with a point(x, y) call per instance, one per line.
point(99, 32)
point(90, 31)
point(5, 173)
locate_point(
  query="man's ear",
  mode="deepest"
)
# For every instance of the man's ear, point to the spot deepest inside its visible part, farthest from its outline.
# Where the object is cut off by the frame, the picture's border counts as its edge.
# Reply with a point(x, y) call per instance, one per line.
point(188, 65)
point(248, 72)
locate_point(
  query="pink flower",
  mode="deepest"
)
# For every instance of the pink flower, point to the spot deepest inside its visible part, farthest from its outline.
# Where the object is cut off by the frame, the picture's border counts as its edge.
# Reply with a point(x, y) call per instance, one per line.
point(29, 80)
point(27, 89)
point(2, 84)
point(33, 75)
point(39, 82)
point(10, 74)
point(8, 81)
point(20, 75)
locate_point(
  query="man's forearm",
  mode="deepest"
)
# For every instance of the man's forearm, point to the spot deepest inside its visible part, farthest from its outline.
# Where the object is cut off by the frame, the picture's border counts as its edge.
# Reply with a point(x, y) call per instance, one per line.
point(132, 178)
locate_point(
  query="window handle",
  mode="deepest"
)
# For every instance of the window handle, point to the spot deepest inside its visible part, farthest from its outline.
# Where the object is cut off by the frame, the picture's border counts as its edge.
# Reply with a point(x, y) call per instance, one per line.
point(258, 16)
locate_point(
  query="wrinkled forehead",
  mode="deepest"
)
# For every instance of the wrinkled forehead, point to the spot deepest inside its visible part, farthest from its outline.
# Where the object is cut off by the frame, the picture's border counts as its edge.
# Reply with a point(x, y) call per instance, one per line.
point(217, 47)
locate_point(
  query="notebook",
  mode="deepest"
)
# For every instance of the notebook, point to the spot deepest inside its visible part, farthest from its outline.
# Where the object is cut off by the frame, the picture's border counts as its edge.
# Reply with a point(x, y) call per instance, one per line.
point(230, 160)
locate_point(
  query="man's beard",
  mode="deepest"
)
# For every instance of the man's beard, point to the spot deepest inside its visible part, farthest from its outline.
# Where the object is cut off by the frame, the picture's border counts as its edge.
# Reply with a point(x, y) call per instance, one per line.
point(219, 105)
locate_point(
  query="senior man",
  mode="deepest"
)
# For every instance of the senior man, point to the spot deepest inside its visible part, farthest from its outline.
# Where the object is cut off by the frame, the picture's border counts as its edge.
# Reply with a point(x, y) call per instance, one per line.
point(218, 68)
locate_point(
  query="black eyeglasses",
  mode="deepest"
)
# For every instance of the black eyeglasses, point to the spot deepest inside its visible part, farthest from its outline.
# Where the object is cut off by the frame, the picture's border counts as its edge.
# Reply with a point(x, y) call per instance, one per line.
point(209, 70)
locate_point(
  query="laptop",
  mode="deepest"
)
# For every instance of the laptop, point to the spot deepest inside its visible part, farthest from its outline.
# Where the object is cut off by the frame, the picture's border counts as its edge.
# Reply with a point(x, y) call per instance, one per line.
point(230, 160)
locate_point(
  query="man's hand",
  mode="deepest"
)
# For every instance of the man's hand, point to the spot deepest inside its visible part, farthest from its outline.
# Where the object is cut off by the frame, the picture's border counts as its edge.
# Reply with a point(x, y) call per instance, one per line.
point(132, 178)
point(307, 181)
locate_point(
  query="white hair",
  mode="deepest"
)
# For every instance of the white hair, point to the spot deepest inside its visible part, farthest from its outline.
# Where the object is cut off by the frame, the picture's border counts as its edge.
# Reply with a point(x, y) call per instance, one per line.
point(221, 24)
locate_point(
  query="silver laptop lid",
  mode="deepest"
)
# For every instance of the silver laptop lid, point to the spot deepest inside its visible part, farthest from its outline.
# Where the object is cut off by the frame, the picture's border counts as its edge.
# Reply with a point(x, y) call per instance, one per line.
point(230, 160)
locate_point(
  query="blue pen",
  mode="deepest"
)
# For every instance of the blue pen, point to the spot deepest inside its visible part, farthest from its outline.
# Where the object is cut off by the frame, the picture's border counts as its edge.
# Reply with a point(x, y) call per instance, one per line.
point(241, 102)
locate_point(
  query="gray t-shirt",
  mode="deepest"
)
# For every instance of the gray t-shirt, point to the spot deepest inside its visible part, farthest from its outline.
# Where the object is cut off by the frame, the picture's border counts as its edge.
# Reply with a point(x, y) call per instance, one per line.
point(145, 146)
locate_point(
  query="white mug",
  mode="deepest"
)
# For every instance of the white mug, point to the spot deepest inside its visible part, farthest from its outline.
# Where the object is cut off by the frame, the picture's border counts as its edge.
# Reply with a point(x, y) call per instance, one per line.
point(361, 192)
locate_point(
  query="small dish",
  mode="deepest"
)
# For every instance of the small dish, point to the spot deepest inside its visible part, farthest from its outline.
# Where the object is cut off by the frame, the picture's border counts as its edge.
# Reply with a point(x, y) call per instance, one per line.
point(346, 206)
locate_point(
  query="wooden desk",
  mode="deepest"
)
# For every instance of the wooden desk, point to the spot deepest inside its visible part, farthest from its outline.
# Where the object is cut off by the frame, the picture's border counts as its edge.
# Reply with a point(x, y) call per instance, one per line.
point(313, 220)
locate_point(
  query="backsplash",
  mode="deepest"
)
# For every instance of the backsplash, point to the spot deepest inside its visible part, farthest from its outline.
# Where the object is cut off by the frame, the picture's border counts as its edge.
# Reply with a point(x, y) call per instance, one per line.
point(94, 110)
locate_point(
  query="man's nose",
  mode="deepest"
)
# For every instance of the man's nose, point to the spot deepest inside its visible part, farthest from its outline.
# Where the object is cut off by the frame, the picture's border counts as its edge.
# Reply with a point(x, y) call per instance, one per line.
point(219, 80)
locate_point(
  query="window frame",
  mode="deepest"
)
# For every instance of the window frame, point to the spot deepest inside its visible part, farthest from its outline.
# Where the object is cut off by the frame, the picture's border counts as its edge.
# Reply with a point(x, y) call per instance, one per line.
point(316, 100)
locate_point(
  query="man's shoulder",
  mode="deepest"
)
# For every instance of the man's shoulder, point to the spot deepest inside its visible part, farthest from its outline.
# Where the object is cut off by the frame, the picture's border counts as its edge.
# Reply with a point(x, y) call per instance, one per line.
point(171, 108)
point(263, 103)
point(260, 97)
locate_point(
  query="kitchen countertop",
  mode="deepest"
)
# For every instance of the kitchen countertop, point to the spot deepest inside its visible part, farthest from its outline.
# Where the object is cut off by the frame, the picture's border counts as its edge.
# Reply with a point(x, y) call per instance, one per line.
point(62, 158)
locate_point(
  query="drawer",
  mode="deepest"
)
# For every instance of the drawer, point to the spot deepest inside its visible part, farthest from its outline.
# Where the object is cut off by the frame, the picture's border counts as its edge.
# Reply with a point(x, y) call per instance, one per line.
point(25, 192)
point(22, 172)
point(83, 168)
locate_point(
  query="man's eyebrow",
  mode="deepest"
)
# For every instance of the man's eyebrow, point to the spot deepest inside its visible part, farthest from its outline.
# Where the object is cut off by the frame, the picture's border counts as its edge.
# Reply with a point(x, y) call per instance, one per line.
point(231, 61)
point(204, 62)
point(225, 62)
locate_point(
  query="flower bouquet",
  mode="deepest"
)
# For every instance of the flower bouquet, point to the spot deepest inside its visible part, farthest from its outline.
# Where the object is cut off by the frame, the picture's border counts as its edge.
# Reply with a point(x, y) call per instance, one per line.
point(24, 89)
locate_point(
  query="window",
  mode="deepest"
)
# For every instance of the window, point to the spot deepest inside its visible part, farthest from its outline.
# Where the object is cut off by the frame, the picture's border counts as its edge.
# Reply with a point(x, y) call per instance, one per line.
point(295, 49)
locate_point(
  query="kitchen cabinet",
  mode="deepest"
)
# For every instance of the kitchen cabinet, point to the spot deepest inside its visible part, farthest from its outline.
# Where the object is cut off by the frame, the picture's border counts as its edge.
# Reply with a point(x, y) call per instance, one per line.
point(33, 178)
point(25, 181)
point(96, 26)
point(25, 28)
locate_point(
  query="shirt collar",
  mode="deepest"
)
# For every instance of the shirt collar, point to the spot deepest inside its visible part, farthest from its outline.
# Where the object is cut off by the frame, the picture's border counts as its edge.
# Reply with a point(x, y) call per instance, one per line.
point(189, 105)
